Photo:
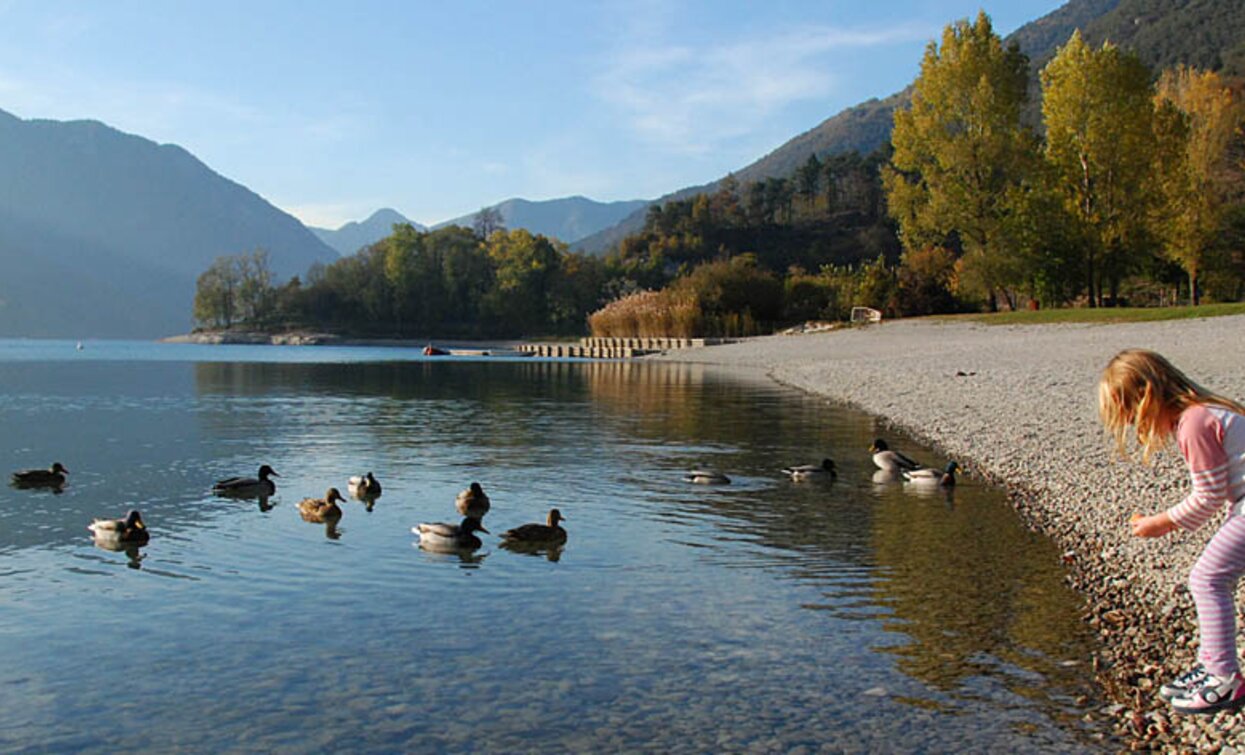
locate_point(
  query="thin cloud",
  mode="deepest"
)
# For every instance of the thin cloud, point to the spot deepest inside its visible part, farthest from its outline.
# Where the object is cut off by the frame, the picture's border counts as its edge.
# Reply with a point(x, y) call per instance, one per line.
point(689, 99)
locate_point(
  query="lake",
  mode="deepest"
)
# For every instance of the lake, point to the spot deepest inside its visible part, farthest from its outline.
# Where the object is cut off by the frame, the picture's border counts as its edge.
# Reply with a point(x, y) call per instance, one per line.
point(759, 616)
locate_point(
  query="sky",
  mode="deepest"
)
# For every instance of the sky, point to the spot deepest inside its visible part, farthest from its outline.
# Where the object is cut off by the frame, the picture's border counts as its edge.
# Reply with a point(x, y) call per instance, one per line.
point(331, 110)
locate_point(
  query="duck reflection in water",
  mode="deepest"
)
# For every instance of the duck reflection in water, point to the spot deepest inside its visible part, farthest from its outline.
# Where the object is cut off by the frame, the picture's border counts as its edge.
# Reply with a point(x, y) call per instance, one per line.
point(551, 551)
point(331, 531)
point(262, 499)
point(133, 555)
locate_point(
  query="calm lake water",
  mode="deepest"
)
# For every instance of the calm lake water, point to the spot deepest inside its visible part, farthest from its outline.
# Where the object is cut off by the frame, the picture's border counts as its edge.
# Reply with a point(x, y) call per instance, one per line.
point(761, 616)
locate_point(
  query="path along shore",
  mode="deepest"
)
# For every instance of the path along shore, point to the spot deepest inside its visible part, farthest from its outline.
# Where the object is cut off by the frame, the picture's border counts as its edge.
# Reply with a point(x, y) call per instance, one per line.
point(1018, 405)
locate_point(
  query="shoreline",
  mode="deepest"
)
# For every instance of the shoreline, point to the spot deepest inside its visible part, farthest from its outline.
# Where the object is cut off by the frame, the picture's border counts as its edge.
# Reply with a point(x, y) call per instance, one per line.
point(1017, 404)
point(311, 338)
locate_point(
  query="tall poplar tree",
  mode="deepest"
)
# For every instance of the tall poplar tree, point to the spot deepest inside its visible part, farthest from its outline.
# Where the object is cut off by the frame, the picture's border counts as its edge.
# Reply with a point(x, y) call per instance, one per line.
point(1201, 120)
point(1097, 106)
point(961, 151)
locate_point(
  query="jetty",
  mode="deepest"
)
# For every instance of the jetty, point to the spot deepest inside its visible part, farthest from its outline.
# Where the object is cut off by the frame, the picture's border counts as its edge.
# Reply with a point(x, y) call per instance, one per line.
point(614, 348)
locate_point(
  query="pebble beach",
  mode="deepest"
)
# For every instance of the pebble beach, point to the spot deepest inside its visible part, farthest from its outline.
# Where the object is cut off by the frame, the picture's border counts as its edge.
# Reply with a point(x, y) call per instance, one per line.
point(1016, 405)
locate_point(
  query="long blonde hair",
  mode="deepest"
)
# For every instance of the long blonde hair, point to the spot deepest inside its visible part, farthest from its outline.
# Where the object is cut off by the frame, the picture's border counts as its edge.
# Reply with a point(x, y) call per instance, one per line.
point(1143, 390)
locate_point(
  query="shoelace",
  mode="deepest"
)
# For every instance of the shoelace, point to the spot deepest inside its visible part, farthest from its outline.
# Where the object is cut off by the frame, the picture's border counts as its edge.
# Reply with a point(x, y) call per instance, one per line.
point(1193, 674)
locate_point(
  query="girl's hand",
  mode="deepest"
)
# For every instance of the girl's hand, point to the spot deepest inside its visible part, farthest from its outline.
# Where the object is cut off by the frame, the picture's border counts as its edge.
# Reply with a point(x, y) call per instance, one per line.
point(1155, 525)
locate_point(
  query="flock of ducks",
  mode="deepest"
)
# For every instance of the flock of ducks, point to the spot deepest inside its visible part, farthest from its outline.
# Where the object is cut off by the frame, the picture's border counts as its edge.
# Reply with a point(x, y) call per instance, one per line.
point(472, 504)
point(892, 467)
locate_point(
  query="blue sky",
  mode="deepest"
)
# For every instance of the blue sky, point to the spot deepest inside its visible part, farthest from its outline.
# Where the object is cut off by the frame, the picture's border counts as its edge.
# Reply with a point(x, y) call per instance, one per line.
point(331, 110)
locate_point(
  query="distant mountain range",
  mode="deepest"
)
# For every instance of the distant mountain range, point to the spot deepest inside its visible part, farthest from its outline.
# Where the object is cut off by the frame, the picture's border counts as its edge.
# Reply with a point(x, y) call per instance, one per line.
point(1209, 34)
point(103, 233)
point(569, 219)
point(353, 236)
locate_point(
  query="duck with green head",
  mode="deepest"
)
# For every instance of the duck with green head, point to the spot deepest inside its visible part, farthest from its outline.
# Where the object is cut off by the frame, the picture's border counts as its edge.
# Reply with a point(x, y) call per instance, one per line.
point(130, 530)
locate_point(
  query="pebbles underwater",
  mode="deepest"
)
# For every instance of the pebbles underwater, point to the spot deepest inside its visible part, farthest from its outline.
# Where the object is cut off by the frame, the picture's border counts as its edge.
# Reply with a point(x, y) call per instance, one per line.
point(1016, 404)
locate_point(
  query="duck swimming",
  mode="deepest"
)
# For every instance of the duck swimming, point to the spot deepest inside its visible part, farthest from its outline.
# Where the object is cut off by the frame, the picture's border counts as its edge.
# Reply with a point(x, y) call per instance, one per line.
point(364, 487)
point(707, 477)
point(248, 486)
point(473, 502)
point(823, 471)
point(128, 531)
point(932, 478)
point(548, 533)
point(444, 536)
point(53, 477)
point(891, 461)
point(321, 510)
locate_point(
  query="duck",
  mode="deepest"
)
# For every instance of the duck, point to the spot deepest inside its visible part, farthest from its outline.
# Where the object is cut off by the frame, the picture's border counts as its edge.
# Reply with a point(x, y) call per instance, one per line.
point(247, 486)
point(928, 477)
point(891, 461)
point(823, 471)
point(472, 502)
point(364, 486)
point(129, 531)
point(707, 477)
point(321, 509)
point(442, 535)
point(52, 477)
point(550, 532)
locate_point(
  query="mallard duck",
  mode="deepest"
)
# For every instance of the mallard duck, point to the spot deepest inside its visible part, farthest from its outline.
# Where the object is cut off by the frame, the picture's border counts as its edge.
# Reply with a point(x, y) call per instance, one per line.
point(53, 477)
point(442, 535)
point(248, 486)
point(549, 533)
point(823, 471)
point(128, 531)
point(321, 509)
point(891, 461)
point(707, 477)
point(364, 486)
point(472, 502)
point(928, 477)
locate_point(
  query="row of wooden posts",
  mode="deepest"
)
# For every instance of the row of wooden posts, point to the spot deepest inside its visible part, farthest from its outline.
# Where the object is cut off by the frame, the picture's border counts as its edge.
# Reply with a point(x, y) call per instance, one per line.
point(614, 348)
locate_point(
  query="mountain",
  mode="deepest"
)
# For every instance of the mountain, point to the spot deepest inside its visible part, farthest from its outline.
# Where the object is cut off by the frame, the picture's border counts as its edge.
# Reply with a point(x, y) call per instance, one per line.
point(353, 236)
point(568, 219)
point(1208, 34)
point(103, 233)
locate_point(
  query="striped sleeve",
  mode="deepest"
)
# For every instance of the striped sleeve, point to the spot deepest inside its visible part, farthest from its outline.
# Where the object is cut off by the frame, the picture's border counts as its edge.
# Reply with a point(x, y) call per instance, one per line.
point(1200, 436)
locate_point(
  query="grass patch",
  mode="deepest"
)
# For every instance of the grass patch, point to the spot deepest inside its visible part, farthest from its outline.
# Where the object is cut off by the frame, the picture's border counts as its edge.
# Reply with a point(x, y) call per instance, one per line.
point(1102, 315)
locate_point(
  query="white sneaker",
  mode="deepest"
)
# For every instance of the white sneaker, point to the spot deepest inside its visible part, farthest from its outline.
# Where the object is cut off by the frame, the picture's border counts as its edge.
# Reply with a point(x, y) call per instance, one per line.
point(1212, 694)
point(1182, 684)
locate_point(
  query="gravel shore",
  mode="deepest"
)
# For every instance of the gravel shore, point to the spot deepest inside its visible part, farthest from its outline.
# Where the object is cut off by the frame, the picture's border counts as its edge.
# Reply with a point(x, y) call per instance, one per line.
point(1017, 406)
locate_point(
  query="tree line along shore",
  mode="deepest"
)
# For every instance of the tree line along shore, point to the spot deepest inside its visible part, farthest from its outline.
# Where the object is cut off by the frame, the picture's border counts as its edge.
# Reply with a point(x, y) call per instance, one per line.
point(1108, 184)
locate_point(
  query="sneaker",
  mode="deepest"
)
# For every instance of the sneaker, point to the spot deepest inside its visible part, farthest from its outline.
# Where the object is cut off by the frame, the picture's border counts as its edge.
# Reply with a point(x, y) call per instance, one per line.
point(1213, 694)
point(1181, 685)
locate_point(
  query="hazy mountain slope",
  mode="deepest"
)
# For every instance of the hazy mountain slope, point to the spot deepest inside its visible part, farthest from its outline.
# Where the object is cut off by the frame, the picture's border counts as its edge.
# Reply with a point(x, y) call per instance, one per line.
point(88, 210)
point(353, 236)
point(568, 219)
point(1204, 33)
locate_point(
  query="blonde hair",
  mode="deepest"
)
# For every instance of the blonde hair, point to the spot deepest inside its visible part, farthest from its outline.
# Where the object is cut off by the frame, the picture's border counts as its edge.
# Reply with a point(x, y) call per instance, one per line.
point(1142, 390)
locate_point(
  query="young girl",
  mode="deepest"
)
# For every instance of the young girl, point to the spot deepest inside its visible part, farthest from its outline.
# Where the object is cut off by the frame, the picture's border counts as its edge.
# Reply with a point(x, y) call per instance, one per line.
point(1141, 390)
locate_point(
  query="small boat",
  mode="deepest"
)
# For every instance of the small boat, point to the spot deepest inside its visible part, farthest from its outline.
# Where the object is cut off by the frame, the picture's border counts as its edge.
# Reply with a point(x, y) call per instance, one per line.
point(433, 351)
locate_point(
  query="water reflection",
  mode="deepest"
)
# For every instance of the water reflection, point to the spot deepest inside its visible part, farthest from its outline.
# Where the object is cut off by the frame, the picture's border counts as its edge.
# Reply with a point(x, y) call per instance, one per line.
point(550, 551)
point(690, 617)
point(133, 554)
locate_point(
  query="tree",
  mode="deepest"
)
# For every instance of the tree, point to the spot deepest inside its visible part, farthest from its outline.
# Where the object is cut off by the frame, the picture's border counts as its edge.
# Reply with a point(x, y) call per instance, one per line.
point(1199, 119)
point(1098, 110)
point(214, 293)
point(808, 179)
point(487, 221)
point(960, 149)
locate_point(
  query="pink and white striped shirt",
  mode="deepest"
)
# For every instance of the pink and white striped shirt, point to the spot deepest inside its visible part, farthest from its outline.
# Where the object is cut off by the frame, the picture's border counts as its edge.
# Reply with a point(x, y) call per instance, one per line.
point(1212, 441)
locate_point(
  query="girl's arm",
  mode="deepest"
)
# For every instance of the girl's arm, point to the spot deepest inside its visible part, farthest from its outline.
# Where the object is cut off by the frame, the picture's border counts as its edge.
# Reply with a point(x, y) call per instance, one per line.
point(1200, 436)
